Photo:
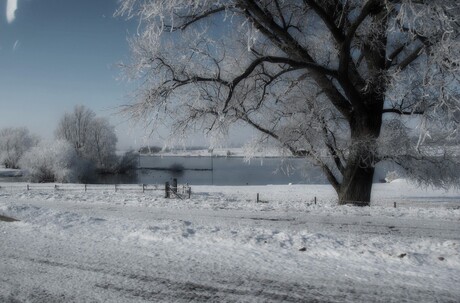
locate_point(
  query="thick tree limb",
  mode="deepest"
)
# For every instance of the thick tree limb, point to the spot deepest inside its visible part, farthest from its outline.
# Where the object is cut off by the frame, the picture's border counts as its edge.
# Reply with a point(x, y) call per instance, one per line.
point(410, 58)
point(280, 13)
point(290, 46)
point(273, 59)
point(370, 7)
point(331, 178)
point(402, 112)
point(393, 55)
point(328, 21)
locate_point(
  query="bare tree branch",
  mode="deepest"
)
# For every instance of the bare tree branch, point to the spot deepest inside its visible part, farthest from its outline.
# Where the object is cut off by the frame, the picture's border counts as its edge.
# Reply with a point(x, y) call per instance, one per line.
point(328, 21)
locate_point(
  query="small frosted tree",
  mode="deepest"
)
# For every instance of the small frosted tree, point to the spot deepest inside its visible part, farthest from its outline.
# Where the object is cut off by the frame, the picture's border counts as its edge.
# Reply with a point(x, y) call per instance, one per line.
point(51, 162)
point(103, 144)
point(14, 142)
point(93, 138)
point(75, 128)
point(345, 84)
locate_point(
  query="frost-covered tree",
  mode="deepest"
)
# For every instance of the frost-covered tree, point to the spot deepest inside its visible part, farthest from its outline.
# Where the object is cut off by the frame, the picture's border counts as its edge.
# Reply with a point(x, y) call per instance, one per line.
point(103, 144)
point(344, 83)
point(93, 138)
point(51, 162)
point(75, 128)
point(14, 142)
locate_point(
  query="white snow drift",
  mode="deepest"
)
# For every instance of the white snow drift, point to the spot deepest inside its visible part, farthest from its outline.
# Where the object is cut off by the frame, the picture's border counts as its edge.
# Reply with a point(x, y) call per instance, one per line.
point(129, 246)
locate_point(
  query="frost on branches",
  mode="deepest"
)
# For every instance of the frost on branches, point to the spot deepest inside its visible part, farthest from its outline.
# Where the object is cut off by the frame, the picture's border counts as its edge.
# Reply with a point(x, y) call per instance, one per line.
point(51, 162)
point(14, 142)
point(345, 84)
point(93, 138)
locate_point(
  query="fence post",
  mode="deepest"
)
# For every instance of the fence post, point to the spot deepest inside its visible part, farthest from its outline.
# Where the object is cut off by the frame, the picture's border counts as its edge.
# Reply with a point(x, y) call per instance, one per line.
point(85, 188)
point(28, 187)
point(174, 185)
point(258, 198)
point(143, 188)
point(315, 200)
point(167, 190)
point(189, 192)
point(394, 205)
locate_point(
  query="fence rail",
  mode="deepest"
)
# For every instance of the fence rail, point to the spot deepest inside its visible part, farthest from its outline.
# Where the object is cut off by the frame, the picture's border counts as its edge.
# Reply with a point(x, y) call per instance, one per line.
point(81, 187)
point(171, 191)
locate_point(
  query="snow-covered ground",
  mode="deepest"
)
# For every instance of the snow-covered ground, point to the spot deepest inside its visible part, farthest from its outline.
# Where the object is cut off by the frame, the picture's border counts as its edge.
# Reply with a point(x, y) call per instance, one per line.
point(221, 246)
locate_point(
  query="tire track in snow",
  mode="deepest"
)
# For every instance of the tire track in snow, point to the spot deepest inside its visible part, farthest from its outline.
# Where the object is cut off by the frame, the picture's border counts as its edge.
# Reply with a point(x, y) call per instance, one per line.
point(165, 289)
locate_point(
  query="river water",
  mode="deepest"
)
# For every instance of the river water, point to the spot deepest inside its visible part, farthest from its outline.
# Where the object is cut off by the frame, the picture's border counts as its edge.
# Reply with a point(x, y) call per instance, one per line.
point(219, 171)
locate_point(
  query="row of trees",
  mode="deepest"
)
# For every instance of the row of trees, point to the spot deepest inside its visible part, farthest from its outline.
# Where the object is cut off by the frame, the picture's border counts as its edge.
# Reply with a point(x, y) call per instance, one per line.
point(84, 145)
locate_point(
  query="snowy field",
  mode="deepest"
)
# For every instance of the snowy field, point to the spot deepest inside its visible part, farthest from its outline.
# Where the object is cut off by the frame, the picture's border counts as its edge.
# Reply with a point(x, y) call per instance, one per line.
point(222, 246)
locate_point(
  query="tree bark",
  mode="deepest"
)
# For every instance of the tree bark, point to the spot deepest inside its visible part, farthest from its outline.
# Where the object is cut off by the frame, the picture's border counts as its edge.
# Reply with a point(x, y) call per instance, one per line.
point(357, 183)
point(357, 179)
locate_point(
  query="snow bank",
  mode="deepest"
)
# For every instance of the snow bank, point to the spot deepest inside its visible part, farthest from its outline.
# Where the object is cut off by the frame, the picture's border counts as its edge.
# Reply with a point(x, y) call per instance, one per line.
point(129, 246)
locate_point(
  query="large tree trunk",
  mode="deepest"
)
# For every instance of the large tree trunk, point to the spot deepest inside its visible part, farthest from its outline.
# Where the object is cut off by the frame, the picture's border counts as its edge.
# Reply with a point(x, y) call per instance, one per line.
point(357, 182)
point(357, 179)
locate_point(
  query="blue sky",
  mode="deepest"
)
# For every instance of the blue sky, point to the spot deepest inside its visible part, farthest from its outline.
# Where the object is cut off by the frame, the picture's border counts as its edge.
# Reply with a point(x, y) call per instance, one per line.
point(55, 54)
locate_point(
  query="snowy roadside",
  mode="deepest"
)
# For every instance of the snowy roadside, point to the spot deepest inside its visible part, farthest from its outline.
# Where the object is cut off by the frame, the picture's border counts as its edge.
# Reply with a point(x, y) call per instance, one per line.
point(222, 246)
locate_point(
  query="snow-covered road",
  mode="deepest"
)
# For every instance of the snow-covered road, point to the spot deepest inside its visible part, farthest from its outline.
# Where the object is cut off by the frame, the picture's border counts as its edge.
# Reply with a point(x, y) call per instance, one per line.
point(219, 247)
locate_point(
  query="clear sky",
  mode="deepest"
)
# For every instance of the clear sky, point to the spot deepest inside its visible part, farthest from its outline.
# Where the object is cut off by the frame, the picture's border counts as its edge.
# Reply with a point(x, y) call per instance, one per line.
point(55, 54)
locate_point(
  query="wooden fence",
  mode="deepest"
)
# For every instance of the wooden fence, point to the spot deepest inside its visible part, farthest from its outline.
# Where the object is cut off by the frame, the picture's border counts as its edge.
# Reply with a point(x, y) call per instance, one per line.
point(80, 187)
point(171, 190)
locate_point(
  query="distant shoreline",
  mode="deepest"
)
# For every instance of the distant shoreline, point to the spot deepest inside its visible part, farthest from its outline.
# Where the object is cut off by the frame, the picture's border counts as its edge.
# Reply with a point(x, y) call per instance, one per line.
point(219, 156)
point(233, 152)
point(173, 169)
